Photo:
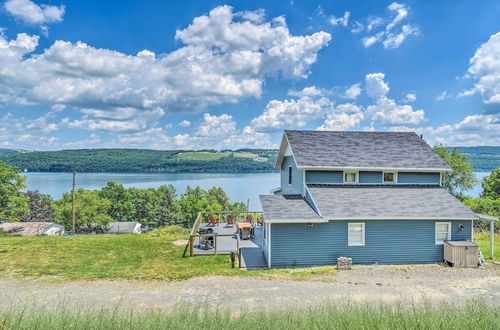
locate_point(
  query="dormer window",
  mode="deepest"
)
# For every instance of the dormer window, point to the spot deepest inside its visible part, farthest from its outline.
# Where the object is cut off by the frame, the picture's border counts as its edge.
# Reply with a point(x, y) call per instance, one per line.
point(389, 177)
point(350, 177)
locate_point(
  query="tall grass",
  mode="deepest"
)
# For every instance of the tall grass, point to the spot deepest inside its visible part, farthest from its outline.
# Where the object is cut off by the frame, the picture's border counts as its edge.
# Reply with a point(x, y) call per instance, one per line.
point(472, 315)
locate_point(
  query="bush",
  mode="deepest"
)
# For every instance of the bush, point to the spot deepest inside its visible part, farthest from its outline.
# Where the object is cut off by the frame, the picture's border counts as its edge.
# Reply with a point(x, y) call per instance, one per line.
point(169, 231)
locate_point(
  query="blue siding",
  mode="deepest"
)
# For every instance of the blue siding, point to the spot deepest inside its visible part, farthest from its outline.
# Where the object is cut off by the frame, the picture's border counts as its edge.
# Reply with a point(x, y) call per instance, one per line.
point(297, 186)
point(386, 242)
point(370, 177)
point(414, 177)
point(324, 177)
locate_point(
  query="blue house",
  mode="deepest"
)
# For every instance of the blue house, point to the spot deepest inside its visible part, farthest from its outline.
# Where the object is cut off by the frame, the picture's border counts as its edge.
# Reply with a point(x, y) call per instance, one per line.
point(375, 197)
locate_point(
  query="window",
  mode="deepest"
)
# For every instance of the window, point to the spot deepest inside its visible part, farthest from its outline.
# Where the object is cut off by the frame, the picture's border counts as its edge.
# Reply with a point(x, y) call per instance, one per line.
point(290, 175)
point(356, 234)
point(443, 232)
point(350, 177)
point(389, 177)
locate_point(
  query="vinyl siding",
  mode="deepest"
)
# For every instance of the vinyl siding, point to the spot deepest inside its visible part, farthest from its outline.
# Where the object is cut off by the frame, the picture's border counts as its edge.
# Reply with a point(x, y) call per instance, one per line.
point(324, 177)
point(415, 177)
point(386, 242)
point(297, 186)
point(370, 177)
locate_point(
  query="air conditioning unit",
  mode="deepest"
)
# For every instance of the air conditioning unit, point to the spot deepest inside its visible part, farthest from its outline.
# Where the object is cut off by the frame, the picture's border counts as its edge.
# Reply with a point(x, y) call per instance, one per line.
point(461, 253)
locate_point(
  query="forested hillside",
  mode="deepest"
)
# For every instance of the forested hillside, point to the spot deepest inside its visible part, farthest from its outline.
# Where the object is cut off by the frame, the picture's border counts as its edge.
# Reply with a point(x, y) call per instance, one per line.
point(142, 160)
point(483, 159)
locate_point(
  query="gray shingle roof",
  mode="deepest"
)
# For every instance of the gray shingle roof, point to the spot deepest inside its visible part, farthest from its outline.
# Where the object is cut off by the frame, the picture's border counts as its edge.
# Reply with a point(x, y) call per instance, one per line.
point(362, 149)
point(394, 201)
point(277, 207)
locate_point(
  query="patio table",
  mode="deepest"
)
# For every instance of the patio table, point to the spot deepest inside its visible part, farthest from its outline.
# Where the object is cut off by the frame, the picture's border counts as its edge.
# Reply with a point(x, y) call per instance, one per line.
point(244, 224)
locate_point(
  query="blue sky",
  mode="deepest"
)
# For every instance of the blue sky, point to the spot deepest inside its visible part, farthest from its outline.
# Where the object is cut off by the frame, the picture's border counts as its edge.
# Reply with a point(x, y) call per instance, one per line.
point(234, 74)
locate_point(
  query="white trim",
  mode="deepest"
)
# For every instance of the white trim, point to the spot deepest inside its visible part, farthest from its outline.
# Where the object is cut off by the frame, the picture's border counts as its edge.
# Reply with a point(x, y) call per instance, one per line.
point(399, 218)
point(297, 220)
point(316, 208)
point(275, 190)
point(371, 169)
point(436, 232)
point(269, 247)
point(441, 179)
point(350, 172)
point(349, 233)
point(395, 178)
point(472, 230)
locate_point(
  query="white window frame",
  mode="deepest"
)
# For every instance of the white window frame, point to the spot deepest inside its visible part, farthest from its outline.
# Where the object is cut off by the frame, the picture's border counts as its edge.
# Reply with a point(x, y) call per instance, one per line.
point(356, 173)
point(290, 175)
point(395, 177)
point(349, 233)
point(436, 232)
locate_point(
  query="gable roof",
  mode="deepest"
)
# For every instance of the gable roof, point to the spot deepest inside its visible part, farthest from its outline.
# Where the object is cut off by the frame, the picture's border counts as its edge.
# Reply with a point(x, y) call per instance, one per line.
point(27, 228)
point(386, 202)
point(360, 150)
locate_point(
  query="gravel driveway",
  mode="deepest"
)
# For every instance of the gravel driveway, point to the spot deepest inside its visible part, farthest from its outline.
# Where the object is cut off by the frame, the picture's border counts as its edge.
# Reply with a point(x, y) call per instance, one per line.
point(364, 283)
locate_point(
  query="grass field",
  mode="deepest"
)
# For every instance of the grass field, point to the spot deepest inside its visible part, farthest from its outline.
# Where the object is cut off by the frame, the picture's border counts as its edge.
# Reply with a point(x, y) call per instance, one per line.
point(473, 315)
point(483, 240)
point(126, 256)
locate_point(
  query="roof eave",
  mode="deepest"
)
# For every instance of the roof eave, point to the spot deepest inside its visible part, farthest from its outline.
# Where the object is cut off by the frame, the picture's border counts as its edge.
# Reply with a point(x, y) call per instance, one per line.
point(464, 218)
point(360, 168)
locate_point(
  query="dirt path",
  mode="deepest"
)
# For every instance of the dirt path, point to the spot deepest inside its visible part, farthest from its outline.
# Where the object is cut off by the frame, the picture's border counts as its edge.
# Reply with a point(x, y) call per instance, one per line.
point(365, 283)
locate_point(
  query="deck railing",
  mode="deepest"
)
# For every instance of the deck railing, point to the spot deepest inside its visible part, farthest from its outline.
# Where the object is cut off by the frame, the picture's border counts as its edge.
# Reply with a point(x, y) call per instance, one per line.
point(220, 216)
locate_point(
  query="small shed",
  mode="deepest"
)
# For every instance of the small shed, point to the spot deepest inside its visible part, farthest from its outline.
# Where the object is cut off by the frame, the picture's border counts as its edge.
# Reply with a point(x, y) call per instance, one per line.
point(33, 228)
point(461, 253)
point(131, 227)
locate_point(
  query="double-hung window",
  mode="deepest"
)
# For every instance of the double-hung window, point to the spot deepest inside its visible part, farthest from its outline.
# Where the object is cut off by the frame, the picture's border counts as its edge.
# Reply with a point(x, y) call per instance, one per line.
point(356, 234)
point(443, 232)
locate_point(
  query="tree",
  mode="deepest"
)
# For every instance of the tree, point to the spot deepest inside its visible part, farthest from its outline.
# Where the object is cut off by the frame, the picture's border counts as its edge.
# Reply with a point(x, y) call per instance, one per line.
point(92, 211)
point(145, 203)
point(13, 203)
point(40, 208)
point(462, 177)
point(167, 212)
point(122, 206)
point(491, 185)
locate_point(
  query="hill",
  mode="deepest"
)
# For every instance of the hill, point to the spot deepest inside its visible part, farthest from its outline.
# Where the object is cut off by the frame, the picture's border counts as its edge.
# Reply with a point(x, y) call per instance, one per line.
point(483, 159)
point(143, 160)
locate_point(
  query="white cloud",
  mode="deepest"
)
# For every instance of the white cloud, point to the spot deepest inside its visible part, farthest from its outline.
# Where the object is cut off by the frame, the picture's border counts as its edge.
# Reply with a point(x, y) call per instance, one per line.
point(307, 91)
point(220, 132)
point(485, 67)
point(353, 92)
point(442, 96)
point(375, 86)
point(292, 113)
point(24, 133)
point(343, 21)
point(185, 123)
point(33, 14)
point(410, 97)
point(389, 37)
point(343, 117)
point(357, 27)
point(225, 57)
point(386, 110)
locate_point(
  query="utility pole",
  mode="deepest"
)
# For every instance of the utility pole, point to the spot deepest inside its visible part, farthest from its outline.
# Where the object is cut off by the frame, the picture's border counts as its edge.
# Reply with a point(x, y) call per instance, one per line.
point(73, 202)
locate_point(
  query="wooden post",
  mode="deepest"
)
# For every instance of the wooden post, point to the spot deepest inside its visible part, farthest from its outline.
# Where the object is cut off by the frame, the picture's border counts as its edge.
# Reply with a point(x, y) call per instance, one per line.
point(73, 203)
point(215, 245)
point(492, 240)
point(191, 243)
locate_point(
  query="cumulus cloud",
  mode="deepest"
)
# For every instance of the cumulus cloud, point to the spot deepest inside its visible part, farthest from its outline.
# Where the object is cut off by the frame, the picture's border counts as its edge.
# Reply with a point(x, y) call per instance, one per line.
point(389, 36)
point(485, 68)
point(225, 57)
point(291, 113)
point(353, 92)
point(343, 21)
point(25, 133)
point(386, 110)
point(30, 13)
point(221, 132)
point(343, 117)
point(442, 96)
point(307, 91)
point(185, 123)
point(410, 97)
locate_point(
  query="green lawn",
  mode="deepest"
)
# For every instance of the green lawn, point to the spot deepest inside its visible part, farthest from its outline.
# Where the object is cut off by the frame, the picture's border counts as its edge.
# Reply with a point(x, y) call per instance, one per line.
point(473, 315)
point(127, 256)
point(483, 240)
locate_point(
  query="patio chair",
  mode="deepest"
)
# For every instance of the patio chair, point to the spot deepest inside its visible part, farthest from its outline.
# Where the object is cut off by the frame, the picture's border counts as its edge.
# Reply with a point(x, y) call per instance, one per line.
point(249, 219)
point(230, 221)
point(245, 233)
point(212, 222)
point(260, 222)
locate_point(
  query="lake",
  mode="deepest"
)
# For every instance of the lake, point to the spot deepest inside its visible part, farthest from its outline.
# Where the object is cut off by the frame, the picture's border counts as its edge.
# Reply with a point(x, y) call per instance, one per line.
point(239, 186)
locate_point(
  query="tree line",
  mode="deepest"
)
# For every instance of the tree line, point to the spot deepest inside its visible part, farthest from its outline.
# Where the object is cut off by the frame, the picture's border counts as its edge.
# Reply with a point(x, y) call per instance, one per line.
point(95, 209)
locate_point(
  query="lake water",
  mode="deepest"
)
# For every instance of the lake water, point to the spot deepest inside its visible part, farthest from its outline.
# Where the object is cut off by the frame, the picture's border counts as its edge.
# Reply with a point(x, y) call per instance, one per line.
point(239, 186)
